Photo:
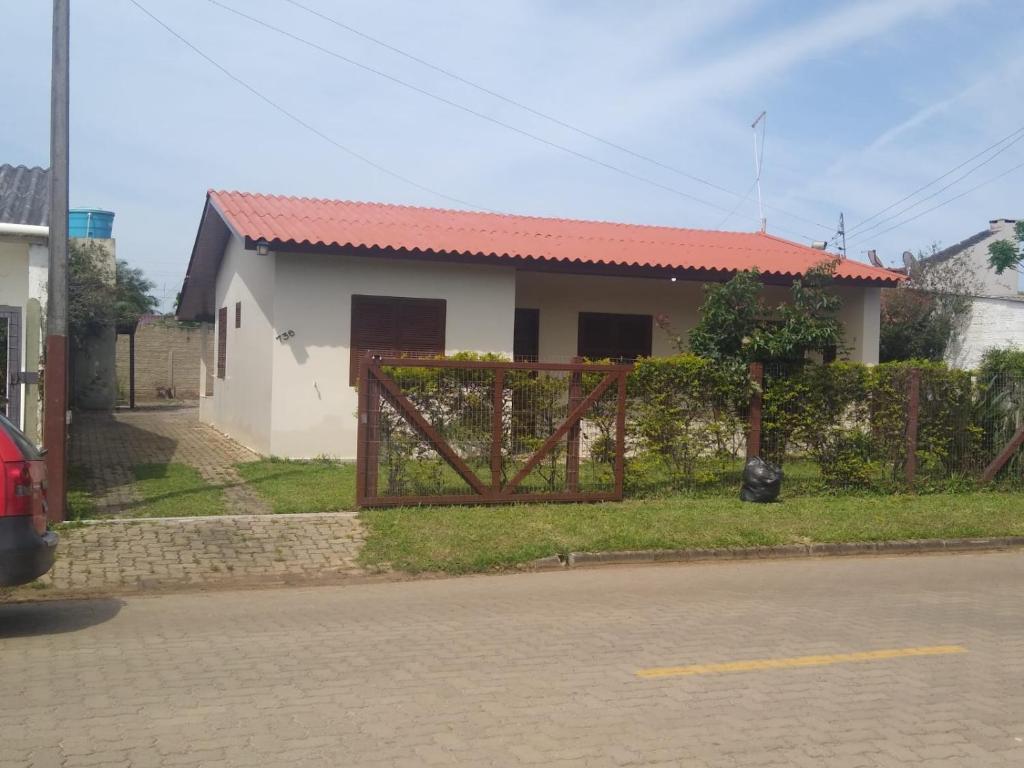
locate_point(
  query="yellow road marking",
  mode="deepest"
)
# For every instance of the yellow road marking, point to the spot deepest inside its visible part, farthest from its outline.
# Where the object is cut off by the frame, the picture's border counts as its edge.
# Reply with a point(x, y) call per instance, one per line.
point(753, 665)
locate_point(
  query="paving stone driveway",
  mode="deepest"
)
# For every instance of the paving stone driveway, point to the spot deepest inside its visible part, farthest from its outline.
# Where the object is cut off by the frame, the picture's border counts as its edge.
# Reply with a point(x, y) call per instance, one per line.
point(248, 545)
point(108, 445)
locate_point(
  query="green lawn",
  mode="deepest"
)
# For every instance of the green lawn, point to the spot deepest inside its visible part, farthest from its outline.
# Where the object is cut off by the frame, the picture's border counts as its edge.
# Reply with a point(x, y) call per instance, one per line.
point(80, 504)
point(465, 539)
point(174, 490)
point(302, 486)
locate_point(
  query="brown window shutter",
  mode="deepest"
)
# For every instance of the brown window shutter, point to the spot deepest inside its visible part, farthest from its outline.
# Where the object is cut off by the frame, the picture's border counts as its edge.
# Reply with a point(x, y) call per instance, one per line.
point(222, 341)
point(238, 314)
point(618, 337)
point(388, 325)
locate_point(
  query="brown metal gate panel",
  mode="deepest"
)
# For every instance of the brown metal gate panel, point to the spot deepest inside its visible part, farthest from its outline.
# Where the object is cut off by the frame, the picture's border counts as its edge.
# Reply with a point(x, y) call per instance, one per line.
point(500, 426)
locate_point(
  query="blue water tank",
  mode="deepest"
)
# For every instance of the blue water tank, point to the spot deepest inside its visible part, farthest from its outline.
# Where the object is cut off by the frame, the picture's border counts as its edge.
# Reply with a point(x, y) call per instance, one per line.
point(90, 222)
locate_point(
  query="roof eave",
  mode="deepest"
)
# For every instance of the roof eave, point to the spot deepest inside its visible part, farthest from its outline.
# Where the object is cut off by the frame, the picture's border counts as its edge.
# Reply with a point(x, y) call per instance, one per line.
point(541, 263)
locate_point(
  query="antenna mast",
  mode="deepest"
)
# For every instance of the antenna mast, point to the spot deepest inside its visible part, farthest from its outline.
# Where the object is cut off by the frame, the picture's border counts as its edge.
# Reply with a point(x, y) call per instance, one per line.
point(841, 235)
point(758, 159)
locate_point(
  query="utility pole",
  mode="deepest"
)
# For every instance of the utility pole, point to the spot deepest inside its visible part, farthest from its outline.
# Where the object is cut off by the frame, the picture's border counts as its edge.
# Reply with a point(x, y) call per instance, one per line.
point(56, 372)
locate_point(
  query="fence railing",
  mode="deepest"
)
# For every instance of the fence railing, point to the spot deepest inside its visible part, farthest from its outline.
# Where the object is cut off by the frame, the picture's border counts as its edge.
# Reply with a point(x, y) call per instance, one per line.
point(481, 431)
point(489, 431)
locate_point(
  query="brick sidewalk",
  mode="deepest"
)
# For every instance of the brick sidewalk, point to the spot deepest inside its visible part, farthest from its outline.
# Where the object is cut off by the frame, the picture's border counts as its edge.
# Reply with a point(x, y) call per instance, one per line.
point(133, 555)
point(108, 445)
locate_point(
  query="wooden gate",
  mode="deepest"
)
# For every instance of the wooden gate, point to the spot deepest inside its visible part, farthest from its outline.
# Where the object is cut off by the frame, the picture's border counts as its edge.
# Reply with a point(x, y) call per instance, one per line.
point(510, 436)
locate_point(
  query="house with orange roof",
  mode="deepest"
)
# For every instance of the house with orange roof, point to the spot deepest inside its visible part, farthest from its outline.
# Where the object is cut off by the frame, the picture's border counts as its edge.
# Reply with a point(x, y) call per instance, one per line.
point(300, 289)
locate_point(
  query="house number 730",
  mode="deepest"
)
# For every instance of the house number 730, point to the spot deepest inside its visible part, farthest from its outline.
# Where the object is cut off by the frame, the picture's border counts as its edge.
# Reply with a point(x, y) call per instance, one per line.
point(286, 335)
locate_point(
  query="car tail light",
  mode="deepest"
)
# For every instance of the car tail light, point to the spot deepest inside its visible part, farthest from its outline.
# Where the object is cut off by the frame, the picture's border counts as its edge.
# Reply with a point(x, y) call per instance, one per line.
point(15, 489)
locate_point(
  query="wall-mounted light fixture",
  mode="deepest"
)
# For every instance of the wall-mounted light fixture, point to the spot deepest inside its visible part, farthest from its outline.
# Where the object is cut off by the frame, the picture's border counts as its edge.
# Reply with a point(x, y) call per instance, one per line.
point(262, 247)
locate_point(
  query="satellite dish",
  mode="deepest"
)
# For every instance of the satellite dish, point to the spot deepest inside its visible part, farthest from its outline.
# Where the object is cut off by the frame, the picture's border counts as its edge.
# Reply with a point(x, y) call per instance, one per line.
point(875, 261)
point(908, 260)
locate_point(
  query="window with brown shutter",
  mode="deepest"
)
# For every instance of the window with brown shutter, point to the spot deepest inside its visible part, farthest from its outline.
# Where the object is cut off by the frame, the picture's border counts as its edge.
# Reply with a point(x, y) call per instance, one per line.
point(238, 314)
point(389, 325)
point(222, 341)
point(618, 337)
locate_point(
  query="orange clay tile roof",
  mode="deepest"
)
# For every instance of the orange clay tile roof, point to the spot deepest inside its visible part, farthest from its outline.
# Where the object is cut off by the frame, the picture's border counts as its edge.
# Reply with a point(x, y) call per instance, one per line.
point(315, 222)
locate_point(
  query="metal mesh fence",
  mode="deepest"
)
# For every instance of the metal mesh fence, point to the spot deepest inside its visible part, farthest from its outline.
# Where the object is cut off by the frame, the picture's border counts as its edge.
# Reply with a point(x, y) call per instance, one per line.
point(449, 431)
point(890, 426)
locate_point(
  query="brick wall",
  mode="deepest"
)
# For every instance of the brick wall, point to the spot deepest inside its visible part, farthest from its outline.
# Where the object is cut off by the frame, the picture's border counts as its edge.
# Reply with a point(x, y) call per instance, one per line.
point(167, 357)
point(992, 323)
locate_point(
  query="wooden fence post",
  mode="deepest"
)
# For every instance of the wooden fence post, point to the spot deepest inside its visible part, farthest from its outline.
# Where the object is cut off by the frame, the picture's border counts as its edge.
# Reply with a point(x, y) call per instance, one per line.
point(498, 405)
point(367, 434)
point(572, 450)
point(620, 436)
point(754, 413)
point(913, 414)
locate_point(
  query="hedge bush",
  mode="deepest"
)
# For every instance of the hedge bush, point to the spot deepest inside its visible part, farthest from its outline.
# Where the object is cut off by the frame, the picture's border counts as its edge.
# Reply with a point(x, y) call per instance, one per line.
point(839, 426)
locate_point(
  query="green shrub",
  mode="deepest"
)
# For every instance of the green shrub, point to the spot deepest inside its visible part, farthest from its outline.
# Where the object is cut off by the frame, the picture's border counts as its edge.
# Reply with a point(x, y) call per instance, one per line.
point(685, 408)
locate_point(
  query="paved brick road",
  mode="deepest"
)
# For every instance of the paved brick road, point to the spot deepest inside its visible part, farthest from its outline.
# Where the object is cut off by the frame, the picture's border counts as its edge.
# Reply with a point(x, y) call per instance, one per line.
point(533, 669)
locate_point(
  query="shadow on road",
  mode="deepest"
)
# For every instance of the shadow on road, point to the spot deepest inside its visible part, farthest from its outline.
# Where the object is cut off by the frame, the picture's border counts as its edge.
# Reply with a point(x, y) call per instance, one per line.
point(55, 617)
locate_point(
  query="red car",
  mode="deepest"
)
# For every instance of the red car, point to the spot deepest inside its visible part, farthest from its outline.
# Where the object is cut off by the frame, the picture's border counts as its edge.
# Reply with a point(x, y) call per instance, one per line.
point(26, 547)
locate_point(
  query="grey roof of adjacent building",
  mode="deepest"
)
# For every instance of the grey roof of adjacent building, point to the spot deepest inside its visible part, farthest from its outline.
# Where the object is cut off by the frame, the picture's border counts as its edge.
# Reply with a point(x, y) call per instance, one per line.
point(963, 245)
point(24, 195)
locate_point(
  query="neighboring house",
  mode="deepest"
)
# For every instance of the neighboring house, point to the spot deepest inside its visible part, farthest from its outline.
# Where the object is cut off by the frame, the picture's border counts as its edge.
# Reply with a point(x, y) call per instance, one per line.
point(168, 359)
point(996, 317)
point(301, 288)
point(24, 262)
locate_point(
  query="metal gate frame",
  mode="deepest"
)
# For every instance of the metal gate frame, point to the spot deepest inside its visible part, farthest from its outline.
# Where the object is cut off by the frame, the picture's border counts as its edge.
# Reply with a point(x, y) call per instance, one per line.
point(375, 385)
point(13, 384)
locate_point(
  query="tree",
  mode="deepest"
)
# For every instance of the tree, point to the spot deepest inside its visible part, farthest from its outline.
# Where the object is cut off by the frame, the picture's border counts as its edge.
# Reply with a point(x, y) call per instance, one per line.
point(1007, 254)
point(736, 324)
point(728, 318)
point(98, 300)
point(920, 318)
point(132, 298)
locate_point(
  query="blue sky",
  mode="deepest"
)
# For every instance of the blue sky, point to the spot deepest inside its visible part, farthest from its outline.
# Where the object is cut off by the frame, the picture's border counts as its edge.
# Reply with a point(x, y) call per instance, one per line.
point(866, 101)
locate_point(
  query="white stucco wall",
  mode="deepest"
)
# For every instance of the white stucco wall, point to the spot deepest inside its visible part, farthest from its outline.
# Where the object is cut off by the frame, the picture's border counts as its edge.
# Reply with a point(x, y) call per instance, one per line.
point(861, 318)
point(20, 272)
point(560, 298)
point(14, 280)
point(991, 323)
point(240, 405)
point(974, 258)
point(314, 407)
point(292, 398)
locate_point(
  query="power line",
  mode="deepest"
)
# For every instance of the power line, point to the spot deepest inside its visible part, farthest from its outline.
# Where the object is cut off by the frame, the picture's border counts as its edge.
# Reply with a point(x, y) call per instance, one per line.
point(934, 181)
point(736, 207)
point(295, 118)
point(538, 113)
point(470, 110)
point(952, 199)
point(940, 190)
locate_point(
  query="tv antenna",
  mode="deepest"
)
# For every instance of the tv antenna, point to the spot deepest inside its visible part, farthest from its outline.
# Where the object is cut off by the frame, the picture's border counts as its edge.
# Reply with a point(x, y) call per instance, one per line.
point(841, 236)
point(758, 162)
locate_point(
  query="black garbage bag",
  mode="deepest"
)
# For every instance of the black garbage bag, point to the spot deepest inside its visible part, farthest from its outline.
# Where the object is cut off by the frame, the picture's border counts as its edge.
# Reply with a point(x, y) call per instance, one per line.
point(762, 481)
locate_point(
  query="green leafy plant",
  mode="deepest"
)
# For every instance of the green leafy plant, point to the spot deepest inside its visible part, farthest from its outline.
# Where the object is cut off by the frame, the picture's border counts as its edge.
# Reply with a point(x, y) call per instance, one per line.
point(1007, 254)
point(736, 324)
point(686, 408)
point(922, 317)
